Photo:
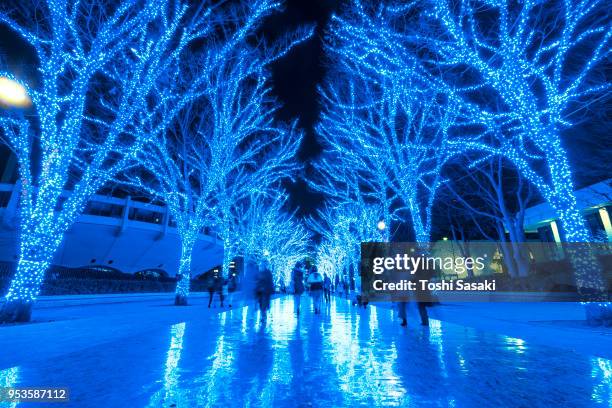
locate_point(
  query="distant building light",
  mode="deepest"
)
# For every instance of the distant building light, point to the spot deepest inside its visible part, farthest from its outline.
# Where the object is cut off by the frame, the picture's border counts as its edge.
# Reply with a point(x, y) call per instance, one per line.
point(605, 219)
point(555, 231)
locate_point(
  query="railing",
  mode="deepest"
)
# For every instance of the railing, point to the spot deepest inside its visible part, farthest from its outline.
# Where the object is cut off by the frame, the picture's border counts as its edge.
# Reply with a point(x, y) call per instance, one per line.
point(60, 280)
point(121, 211)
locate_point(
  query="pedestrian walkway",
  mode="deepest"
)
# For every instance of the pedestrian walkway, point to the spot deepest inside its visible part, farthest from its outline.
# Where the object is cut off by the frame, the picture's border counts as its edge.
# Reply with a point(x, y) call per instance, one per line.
point(345, 357)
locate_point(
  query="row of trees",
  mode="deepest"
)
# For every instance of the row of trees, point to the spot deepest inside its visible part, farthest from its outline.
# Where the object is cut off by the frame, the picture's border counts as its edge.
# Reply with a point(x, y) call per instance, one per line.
point(420, 94)
point(168, 98)
point(175, 101)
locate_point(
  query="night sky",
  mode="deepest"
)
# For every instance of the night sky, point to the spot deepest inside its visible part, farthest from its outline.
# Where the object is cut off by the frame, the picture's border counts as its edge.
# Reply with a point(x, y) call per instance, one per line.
point(296, 78)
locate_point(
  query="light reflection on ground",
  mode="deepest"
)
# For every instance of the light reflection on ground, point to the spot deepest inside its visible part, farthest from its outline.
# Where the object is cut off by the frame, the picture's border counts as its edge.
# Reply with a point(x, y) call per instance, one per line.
point(345, 357)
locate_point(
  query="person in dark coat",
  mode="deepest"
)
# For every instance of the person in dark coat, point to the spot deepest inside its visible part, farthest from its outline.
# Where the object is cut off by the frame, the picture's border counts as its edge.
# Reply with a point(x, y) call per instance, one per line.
point(219, 283)
point(327, 286)
point(421, 299)
point(210, 287)
point(421, 306)
point(264, 287)
point(297, 279)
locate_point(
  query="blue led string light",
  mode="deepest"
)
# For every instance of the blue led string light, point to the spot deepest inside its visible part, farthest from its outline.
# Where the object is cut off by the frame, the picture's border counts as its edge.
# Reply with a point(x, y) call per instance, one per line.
point(82, 142)
point(268, 233)
point(222, 147)
point(101, 69)
point(508, 70)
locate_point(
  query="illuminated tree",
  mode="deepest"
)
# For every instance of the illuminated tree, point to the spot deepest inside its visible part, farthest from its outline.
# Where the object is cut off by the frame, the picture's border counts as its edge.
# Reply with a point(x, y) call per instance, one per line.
point(525, 53)
point(102, 66)
point(388, 134)
point(250, 165)
point(176, 170)
point(331, 259)
point(349, 182)
point(540, 60)
point(517, 72)
point(98, 64)
point(222, 147)
point(518, 69)
point(344, 173)
point(343, 227)
point(269, 233)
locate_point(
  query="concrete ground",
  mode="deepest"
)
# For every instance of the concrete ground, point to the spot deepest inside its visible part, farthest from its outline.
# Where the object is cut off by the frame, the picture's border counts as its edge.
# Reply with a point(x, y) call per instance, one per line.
point(148, 353)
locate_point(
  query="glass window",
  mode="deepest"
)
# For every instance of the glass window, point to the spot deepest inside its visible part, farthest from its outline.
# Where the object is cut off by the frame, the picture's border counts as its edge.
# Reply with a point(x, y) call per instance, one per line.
point(140, 214)
point(104, 209)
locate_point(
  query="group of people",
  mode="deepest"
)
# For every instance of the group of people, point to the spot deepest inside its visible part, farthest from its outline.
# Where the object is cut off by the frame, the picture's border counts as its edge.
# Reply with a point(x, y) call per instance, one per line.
point(224, 288)
point(305, 276)
point(319, 286)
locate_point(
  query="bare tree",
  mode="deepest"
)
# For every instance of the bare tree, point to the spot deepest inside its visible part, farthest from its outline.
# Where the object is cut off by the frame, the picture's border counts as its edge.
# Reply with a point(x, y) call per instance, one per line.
point(99, 63)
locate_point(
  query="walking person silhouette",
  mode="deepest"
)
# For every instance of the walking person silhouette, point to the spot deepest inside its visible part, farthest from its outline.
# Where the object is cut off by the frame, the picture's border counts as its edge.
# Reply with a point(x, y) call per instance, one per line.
point(297, 280)
point(315, 283)
point(264, 287)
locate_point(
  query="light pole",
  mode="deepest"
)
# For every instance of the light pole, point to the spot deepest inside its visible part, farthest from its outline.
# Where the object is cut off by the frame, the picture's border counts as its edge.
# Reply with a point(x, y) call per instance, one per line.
point(13, 94)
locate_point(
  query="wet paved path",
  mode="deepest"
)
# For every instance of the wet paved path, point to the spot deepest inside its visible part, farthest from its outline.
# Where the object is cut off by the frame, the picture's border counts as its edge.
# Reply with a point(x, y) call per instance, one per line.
point(346, 357)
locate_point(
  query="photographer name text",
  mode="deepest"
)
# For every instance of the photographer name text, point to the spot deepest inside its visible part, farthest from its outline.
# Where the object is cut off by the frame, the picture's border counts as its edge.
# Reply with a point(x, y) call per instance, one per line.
point(439, 286)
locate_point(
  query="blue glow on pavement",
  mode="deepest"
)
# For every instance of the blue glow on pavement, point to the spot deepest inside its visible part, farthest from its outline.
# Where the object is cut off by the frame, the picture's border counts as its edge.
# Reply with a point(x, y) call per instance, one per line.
point(345, 357)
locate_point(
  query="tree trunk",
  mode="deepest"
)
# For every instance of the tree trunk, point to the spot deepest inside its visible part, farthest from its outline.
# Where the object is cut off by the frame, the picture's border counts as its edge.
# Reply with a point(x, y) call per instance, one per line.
point(184, 282)
point(516, 247)
point(562, 198)
point(421, 232)
point(26, 285)
point(464, 246)
point(520, 260)
point(16, 311)
point(508, 259)
point(587, 271)
point(227, 259)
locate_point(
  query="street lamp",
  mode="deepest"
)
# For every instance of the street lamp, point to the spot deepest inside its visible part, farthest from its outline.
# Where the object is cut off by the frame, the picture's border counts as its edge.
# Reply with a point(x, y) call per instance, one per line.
point(12, 93)
point(381, 225)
